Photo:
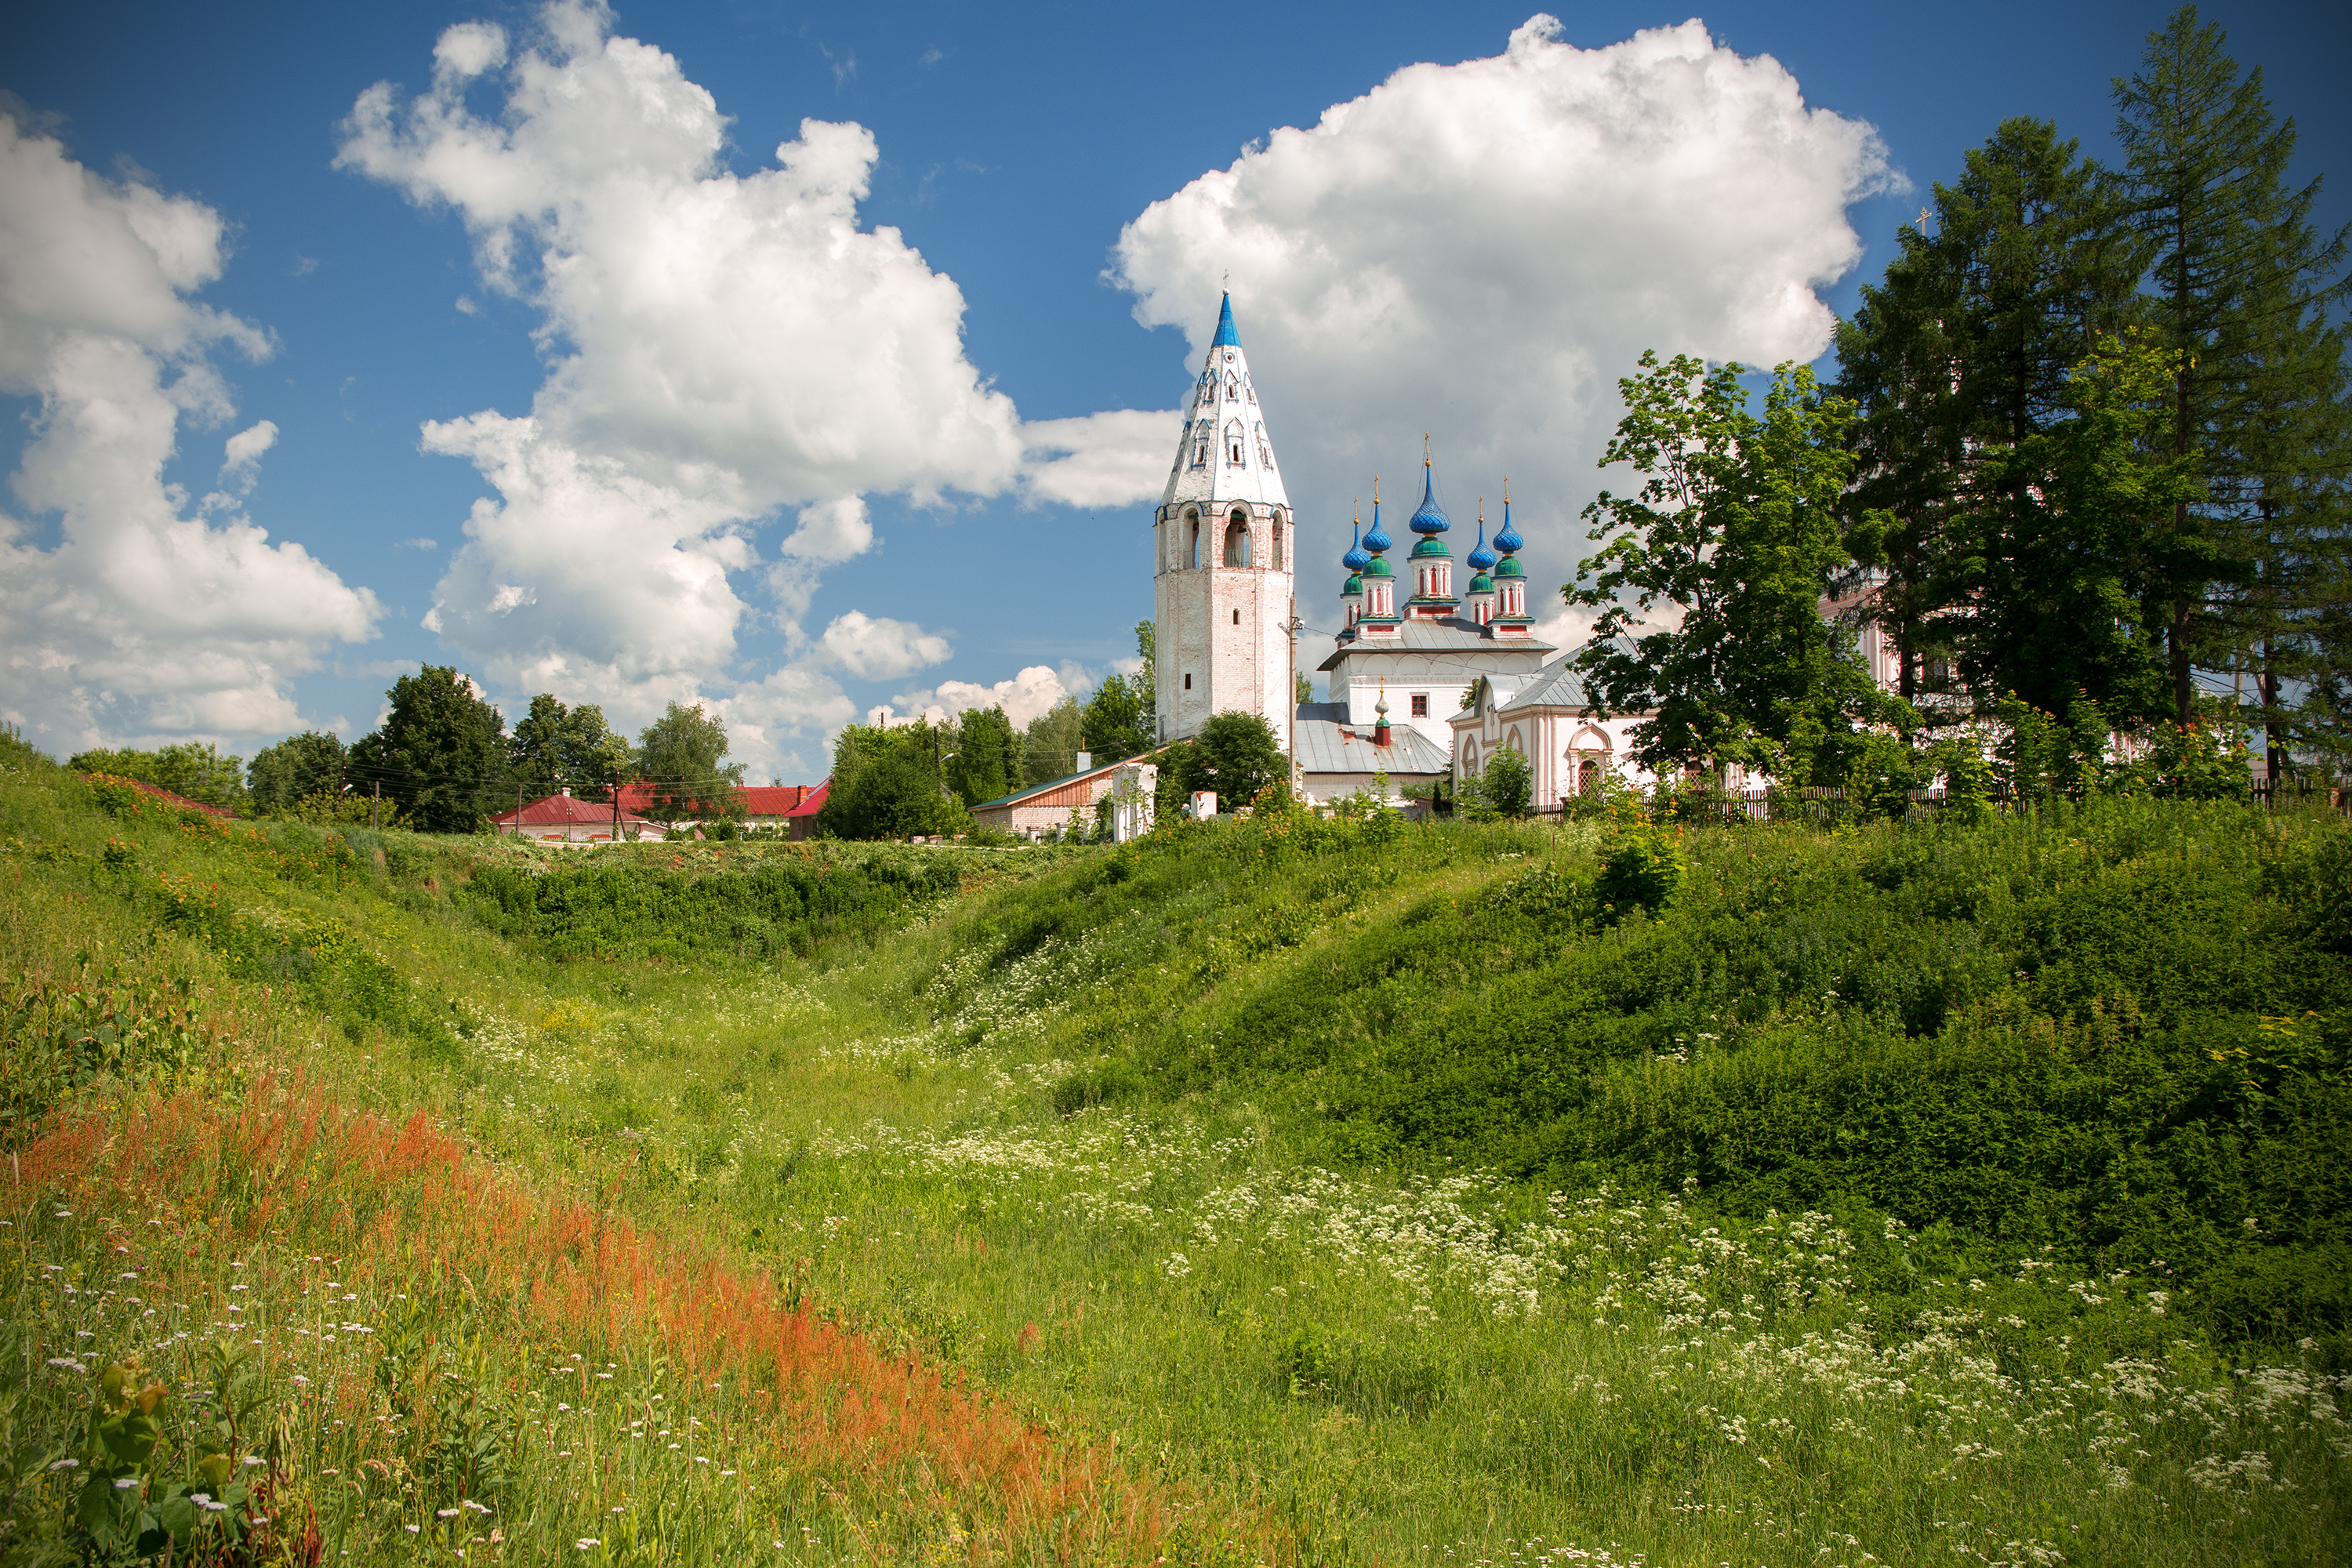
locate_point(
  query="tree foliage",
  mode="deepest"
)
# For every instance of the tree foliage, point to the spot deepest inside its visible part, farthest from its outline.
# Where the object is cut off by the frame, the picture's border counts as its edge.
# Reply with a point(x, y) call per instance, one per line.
point(1236, 755)
point(986, 758)
point(887, 783)
point(1050, 746)
point(295, 769)
point(440, 753)
point(1736, 533)
point(195, 769)
point(680, 756)
point(554, 747)
point(2242, 286)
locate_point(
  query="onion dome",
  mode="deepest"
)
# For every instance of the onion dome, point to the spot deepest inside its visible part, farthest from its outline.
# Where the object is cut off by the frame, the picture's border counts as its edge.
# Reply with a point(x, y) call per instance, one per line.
point(1509, 567)
point(1508, 542)
point(1430, 519)
point(1428, 549)
point(1378, 567)
point(1482, 560)
point(1355, 560)
point(1482, 584)
point(1355, 586)
point(1376, 540)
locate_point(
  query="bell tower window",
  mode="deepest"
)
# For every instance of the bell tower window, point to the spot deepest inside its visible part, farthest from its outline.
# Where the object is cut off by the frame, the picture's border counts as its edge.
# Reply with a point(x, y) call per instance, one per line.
point(1277, 542)
point(1192, 551)
point(1237, 540)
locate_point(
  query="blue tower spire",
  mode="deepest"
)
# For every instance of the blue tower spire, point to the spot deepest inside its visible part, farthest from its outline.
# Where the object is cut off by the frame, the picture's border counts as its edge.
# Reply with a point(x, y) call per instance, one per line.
point(1226, 338)
point(1355, 560)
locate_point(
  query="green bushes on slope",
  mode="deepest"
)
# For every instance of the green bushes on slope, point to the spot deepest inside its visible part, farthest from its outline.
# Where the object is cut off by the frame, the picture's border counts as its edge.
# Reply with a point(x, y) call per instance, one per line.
point(2122, 1031)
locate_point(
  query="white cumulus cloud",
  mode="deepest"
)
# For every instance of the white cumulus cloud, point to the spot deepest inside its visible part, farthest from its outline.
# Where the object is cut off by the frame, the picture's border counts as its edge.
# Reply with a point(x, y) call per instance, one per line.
point(870, 646)
point(141, 623)
point(1114, 458)
point(1481, 250)
point(1022, 697)
point(721, 347)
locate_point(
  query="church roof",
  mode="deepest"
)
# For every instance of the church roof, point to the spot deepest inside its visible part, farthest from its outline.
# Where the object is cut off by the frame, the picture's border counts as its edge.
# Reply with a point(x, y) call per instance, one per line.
point(1325, 742)
point(1449, 633)
point(1555, 686)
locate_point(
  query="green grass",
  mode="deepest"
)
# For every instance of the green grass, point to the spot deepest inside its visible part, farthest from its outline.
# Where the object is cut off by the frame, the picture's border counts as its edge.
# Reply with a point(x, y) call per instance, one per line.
point(1883, 1197)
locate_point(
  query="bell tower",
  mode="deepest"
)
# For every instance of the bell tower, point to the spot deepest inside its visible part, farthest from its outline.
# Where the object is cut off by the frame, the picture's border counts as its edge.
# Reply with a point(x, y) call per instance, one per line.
point(1223, 543)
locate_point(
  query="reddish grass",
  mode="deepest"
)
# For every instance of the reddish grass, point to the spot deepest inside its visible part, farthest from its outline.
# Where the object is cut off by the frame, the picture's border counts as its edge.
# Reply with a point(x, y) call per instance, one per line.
point(405, 1201)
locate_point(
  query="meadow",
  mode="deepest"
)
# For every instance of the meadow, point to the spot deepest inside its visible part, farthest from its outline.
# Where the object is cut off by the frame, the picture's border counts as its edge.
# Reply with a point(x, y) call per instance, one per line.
point(1282, 1190)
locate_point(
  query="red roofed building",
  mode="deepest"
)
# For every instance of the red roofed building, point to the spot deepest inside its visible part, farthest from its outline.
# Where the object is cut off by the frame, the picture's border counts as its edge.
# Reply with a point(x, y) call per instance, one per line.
point(801, 821)
point(763, 806)
point(566, 820)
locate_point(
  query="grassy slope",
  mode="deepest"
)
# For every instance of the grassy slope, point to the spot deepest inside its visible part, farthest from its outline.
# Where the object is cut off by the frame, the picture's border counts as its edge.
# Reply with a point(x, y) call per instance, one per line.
point(1242, 1259)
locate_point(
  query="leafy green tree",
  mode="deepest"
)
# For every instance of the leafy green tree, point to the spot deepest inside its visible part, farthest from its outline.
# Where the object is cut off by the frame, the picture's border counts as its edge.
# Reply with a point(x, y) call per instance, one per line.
point(1117, 723)
point(680, 756)
point(299, 766)
point(440, 753)
point(1236, 755)
point(1050, 748)
point(197, 770)
point(887, 783)
point(986, 759)
point(1505, 787)
point(1968, 341)
point(1145, 681)
point(2053, 556)
point(2243, 283)
point(555, 747)
point(1737, 528)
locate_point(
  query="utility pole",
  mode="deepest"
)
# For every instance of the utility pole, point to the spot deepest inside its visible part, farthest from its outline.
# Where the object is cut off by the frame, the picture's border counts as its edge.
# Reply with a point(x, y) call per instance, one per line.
point(375, 806)
point(1290, 692)
point(617, 808)
point(518, 822)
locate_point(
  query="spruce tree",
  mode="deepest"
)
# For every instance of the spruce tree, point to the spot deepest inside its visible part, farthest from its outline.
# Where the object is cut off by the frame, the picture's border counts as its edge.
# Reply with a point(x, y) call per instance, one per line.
point(1962, 354)
point(2245, 577)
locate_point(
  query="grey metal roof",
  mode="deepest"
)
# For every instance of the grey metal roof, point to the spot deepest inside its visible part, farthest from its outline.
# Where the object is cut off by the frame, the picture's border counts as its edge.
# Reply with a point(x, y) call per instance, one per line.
point(1452, 635)
point(1335, 711)
point(1329, 746)
point(1554, 686)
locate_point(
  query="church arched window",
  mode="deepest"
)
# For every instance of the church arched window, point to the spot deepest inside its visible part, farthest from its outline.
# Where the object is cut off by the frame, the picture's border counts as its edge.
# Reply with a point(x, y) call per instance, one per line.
point(1277, 542)
point(1192, 551)
point(1588, 775)
point(1237, 540)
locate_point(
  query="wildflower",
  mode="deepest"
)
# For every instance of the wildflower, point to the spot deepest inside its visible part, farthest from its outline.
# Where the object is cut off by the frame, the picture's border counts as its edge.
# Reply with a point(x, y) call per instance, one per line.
point(67, 1465)
point(445, 1513)
point(411, 1528)
point(587, 1543)
point(125, 1483)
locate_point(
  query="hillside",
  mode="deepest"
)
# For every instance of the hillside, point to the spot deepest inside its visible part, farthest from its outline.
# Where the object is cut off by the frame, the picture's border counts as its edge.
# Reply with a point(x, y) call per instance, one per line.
point(1280, 1191)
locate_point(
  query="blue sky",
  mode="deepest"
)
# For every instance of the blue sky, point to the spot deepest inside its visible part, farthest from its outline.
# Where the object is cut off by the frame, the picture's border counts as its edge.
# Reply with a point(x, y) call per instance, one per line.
point(1011, 149)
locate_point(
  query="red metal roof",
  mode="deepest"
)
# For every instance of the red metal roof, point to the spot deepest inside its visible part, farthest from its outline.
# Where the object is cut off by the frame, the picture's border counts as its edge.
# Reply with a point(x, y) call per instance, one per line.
point(812, 800)
point(565, 811)
point(758, 800)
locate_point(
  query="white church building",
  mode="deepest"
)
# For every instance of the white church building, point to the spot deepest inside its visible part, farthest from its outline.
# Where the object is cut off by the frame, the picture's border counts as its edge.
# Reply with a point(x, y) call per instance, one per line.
point(1416, 690)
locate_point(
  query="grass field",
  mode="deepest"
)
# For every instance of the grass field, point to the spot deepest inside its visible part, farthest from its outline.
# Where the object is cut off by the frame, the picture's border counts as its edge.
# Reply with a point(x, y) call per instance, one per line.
point(1287, 1191)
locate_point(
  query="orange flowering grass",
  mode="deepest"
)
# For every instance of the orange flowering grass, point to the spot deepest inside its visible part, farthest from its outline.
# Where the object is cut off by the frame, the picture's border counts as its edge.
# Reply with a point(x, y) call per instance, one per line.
point(403, 1204)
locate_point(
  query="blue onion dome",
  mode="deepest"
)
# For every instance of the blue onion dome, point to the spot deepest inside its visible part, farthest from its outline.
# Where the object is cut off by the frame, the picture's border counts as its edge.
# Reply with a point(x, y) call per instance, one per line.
point(1481, 558)
point(1355, 559)
point(1376, 541)
point(1355, 586)
point(1509, 567)
point(1429, 548)
point(1431, 518)
point(1508, 542)
point(1482, 584)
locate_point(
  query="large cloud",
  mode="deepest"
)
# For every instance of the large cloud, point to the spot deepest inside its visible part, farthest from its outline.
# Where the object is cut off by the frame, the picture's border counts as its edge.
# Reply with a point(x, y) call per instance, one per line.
point(142, 623)
point(1480, 250)
point(719, 346)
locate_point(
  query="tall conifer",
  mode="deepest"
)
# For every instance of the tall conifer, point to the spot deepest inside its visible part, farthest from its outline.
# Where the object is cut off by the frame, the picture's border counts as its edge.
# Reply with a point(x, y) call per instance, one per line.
point(1964, 354)
point(2244, 578)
